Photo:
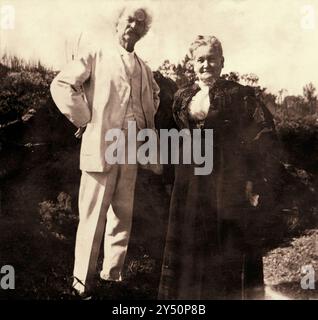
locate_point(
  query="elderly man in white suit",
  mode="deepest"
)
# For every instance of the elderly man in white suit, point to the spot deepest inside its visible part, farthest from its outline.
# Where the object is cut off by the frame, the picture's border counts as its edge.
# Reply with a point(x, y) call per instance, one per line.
point(101, 91)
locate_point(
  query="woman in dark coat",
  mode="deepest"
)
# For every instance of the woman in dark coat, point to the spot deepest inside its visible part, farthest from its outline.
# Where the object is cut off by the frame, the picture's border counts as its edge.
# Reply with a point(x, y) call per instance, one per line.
point(208, 253)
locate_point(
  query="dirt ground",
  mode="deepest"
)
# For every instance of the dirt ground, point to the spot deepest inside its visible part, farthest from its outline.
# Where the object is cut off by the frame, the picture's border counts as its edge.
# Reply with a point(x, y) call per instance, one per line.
point(40, 247)
point(283, 268)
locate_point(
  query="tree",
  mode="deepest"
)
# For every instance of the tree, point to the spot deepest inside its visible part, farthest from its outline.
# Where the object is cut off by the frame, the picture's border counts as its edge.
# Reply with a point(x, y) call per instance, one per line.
point(270, 100)
point(250, 79)
point(310, 97)
point(183, 74)
point(232, 76)
point(168, 70)
point(295, 106)
point(280, 96)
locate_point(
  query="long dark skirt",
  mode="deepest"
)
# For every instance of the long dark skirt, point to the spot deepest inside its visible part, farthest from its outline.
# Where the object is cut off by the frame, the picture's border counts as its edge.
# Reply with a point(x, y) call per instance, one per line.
point(205, 256)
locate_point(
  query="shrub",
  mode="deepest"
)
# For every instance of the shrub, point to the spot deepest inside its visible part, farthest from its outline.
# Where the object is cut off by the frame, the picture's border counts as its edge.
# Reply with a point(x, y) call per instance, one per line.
point(57, 216)
point(22, 86)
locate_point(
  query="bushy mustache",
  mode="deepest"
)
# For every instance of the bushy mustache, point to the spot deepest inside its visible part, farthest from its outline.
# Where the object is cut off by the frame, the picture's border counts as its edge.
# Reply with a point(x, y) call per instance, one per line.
point(206, 70)
point(131, 30)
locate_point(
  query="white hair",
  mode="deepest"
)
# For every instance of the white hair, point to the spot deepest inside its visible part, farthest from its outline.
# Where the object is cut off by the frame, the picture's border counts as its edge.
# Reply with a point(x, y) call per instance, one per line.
point(133, 7)
point(210, 41)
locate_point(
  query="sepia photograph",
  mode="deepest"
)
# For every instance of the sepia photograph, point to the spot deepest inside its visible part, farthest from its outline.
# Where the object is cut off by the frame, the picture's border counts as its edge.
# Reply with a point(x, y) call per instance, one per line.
point(158, 150)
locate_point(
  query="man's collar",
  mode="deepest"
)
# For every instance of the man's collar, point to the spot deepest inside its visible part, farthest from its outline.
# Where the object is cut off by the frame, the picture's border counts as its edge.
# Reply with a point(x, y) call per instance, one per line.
point(124, 52)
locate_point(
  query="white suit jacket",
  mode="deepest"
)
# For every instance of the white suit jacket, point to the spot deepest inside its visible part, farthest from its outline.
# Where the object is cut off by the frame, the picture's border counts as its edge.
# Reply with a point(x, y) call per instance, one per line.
point(94, 91)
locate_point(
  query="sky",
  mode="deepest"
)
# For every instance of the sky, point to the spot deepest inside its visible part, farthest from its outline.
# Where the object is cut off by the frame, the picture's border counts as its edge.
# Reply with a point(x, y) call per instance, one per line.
point(275, 39)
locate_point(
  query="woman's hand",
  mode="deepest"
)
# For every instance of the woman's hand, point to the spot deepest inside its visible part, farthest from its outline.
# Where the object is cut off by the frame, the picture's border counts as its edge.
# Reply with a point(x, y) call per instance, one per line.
point(251, 197)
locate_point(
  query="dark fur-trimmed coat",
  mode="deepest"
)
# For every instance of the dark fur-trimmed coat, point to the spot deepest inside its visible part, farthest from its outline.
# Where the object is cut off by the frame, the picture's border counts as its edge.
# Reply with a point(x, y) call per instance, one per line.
point(208, 240)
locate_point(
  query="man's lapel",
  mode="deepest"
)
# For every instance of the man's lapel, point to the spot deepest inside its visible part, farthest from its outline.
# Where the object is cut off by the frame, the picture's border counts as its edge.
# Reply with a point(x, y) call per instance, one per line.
point(144, 75)
point(121, 66)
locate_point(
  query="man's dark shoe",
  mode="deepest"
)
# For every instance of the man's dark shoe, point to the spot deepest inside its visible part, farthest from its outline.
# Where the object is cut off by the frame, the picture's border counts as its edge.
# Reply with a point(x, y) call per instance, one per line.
point(81, 295)
point(79, 290)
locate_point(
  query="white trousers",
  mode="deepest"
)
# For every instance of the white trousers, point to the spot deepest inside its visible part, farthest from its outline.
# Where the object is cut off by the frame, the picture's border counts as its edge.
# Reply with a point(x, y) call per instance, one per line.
point(105, 211)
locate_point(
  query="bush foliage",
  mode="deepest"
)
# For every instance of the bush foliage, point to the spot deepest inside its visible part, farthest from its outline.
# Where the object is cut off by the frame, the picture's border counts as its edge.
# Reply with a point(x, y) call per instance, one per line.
point(22, 86)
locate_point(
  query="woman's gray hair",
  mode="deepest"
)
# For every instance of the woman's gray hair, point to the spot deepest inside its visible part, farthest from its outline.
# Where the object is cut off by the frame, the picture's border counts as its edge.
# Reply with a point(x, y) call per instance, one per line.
point(210, 41)
point(132, 8)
